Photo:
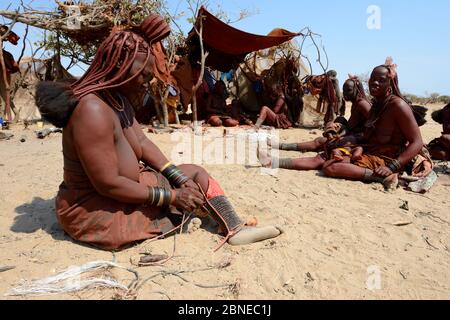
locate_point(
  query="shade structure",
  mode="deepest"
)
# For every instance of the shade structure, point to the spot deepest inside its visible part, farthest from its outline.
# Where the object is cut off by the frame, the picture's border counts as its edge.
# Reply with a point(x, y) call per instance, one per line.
point(228, 46)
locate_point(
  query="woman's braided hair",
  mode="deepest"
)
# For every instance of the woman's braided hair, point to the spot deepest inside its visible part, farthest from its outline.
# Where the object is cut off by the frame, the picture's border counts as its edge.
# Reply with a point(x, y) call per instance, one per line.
point(110, 69)
point(360, 93)
point(116, 54)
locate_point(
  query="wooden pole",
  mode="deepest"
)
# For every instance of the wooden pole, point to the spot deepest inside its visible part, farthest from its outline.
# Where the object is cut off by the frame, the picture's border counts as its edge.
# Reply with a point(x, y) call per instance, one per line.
point(204, 55)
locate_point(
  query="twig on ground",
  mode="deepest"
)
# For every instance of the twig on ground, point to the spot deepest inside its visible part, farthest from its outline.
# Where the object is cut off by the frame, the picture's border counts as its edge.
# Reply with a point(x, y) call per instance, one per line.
point(427, 214)
point(429, 243)
point(404, 277)
point(183, 222)
point(6, 268)
point(178, 274)
point(162, 293)
point(329, 255)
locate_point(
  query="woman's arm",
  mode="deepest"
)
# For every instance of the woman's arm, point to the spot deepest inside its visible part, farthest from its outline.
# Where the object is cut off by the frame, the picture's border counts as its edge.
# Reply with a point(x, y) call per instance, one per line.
point(359, 114)
point(151, 154)
point(404, 119)
point(94, 140)
point(410, 130)
point(279, 105)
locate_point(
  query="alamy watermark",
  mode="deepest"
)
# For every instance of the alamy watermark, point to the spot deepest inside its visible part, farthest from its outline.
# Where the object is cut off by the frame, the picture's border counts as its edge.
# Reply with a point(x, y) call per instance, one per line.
point(220, 146)
point(74, 17)
point(373, 282)
point(374, 19)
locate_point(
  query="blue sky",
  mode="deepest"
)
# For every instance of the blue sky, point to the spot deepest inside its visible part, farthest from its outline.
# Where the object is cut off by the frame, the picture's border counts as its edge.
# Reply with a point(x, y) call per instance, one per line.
point(414, 32)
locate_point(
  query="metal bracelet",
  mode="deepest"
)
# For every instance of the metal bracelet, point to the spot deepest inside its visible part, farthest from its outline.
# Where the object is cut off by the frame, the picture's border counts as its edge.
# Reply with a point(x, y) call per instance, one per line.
point(395, 166)
point(158, 197)
point(175, 175)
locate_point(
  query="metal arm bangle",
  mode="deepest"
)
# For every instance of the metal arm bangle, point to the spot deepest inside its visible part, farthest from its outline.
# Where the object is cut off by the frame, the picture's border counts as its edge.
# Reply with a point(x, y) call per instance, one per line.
point(395, 166)
point(175, 175)
point(158, 197)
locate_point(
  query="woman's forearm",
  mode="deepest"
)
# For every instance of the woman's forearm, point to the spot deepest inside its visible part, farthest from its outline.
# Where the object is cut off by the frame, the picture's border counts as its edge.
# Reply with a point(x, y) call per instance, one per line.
point(411, 151)
point(152, 155)
point(124, 190)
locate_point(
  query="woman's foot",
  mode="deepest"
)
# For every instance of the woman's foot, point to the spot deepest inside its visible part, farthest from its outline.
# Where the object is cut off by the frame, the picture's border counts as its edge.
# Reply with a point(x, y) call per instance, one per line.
point(249, 235)
point(391, 182)
point(264, 158)
point(337, 155)
point(274, 144)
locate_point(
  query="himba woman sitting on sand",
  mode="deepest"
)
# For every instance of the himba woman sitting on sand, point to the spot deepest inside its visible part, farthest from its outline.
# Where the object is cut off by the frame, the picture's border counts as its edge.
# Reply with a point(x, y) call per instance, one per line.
point(119, 188)
point(278, 115)
point(218, 113)
point(391, 139)
point(333, 136)
point(440, 147)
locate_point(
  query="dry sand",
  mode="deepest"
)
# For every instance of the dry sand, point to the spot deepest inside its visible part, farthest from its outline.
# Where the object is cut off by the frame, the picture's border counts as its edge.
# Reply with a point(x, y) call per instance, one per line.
point(338, 235)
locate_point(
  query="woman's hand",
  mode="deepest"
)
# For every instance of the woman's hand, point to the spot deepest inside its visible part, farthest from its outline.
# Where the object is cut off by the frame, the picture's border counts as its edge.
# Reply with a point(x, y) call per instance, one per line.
point(190, 184)
point(187, 199)
point(423, 170)
point(383, 172)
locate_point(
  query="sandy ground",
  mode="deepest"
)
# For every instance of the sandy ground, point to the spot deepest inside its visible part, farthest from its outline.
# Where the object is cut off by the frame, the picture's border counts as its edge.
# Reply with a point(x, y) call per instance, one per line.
point(340, 239)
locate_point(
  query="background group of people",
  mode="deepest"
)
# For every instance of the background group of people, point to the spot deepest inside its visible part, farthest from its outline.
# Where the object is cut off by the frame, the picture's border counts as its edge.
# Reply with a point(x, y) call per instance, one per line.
point(280, 103)
point(380, 140)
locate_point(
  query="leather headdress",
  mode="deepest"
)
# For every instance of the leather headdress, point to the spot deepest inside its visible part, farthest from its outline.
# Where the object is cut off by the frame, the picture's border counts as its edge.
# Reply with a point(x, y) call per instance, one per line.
point(154, 29)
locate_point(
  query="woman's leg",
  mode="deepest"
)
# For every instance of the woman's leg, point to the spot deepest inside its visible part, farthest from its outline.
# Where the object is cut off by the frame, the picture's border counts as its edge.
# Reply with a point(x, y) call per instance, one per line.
point(230, 123)
point(309, 146)
point(329, 115)
point(312, 146)
point(236, 109)
point(266, 115)
point(299, 164)
point(228, 218)
point(196, 173)
point(348, 171)
point(215, 121)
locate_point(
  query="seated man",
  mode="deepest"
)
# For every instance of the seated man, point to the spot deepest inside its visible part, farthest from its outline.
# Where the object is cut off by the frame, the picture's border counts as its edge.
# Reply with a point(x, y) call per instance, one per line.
point(278, 115)
point(353, 92)
point(392, 137)
point(118, 186)
point(440, 147)
point(217, 113)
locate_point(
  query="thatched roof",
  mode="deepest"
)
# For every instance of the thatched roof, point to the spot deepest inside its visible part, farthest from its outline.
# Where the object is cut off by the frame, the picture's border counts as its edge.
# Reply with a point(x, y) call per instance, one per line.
point(84, 23)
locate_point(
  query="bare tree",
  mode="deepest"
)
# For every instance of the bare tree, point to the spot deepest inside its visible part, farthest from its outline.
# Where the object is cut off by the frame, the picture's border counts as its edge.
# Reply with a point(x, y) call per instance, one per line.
point(434, 97)
point(198, 28)
point(164, 94)
point(194, 6)
point(94, 21)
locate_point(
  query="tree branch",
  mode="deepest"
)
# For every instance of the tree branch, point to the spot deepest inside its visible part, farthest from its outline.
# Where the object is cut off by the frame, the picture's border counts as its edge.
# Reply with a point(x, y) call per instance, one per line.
point(204, 56)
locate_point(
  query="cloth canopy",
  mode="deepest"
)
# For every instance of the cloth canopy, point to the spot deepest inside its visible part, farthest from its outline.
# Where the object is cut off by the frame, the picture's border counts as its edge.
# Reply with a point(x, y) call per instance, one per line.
point(228, 46)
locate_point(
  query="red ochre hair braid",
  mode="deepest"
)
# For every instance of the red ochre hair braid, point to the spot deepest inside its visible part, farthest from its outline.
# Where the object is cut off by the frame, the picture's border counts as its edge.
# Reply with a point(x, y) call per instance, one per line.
point(112, 62)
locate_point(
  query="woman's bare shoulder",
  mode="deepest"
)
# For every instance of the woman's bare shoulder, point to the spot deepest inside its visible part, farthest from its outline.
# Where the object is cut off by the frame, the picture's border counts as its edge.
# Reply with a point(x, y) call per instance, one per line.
point(91, 105)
